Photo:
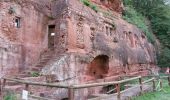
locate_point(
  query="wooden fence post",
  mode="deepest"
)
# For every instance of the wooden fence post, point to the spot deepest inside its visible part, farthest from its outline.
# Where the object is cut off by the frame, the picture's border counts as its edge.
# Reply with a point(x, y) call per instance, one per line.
point(0, 87)
point(169, 80)
point(154, 86)
point(71, 93)
point(118, 91)
point(140, 82)
point(161, 84)
point(3, 84)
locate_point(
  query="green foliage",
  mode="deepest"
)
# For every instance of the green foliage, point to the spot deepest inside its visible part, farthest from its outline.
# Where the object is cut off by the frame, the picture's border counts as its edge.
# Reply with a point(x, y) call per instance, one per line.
point(164, 57)
point(10, 96)
point(35, 74)
point(94, 7)
point(91, 5)
point(159, 15)
point(86, 2)
point(139, 20)
point(143, 6)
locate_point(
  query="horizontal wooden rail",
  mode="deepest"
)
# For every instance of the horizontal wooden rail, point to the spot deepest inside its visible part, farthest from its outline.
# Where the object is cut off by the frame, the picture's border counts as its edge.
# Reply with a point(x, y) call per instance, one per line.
point(149, 80)
point(71, 88)
point(37, 83)
point(164, 76)
point(104, 83)
point(74, 86)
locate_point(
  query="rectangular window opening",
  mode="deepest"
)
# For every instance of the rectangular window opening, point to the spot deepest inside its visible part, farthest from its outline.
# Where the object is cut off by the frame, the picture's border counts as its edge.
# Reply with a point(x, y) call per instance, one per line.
point(17, 22)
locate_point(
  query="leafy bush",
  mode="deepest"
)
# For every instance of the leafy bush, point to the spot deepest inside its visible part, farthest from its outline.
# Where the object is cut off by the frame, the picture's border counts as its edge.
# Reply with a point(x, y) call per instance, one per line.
point(89, 4)
point(86, 2)
point(10, 96)
point(137, 19)
point(94, 7)
point(158, 12)
point(35, 74)
point(164, 57)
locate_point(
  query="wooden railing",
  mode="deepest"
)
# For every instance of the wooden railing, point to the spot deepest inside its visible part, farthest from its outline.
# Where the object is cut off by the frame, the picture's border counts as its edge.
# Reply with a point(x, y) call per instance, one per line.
point(72, 88)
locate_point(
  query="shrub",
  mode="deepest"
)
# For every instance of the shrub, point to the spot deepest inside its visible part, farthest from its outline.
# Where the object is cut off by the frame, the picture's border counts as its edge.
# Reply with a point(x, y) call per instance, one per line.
point(35, 74)
point(94, 7)
point(86, 2)
point(157, 11)
point(10, 96)
point(89, 4)
point(137, 19)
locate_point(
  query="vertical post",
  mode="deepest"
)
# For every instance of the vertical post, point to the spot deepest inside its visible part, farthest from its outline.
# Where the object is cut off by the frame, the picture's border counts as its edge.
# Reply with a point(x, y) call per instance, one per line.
point(140, 82)
point(118, 91)
point(26, 87)
point(3, 84)
point(169, 80)
point(0, 87)
point(71, 93)
point(154, 86)
point(160, 83)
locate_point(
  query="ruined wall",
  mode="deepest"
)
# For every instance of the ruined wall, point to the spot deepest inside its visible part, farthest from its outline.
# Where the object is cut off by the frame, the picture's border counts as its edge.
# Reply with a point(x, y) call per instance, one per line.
point(90, 35)
point(89, 46)
point(22, 23)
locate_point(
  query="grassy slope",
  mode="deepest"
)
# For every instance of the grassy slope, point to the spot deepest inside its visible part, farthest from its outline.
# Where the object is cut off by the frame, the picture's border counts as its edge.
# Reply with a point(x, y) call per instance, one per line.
point(158, 95)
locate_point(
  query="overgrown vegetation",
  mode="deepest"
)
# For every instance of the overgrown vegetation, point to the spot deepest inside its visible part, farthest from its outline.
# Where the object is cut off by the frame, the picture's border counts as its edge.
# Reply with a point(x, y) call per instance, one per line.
point(158, 14)
point(132, 16)
point(10, 96)
point(158, 95)
point(35, 74)
point(91, 5)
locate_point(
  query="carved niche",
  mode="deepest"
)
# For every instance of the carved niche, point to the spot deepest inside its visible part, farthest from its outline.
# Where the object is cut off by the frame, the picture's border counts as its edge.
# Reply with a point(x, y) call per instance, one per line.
point(80, 35)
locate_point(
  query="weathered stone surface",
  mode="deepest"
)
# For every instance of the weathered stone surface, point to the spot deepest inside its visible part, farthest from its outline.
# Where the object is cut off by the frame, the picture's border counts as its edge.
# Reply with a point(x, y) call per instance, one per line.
point(81, 45)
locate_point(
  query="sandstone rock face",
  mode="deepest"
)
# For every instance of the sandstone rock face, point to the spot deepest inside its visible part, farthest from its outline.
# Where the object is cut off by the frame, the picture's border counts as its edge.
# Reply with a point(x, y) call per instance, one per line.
point(88, 46)
point(23, 27)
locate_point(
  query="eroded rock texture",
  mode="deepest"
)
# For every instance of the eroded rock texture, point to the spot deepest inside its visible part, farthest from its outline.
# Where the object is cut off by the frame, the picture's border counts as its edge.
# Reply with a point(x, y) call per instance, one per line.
point(71, 42)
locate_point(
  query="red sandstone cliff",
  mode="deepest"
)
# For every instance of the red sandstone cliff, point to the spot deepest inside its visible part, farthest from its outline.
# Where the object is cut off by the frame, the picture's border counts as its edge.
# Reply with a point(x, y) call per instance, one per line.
point(81, 44)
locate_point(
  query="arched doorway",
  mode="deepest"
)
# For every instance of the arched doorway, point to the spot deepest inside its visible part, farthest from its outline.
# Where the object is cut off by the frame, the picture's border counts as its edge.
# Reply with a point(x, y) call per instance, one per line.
point(99, 66)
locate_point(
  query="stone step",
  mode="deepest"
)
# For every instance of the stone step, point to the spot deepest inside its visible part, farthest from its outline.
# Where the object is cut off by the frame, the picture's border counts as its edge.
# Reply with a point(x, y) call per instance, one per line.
point(35, 79)
point(40, 65)
point(37, 69)
point(14, 88)
point(43, 61)
point(11, 83)
point(46, 58)
point(23, 75)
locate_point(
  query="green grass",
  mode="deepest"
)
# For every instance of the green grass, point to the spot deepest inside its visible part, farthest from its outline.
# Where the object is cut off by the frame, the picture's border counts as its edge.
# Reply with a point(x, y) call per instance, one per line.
point(133, 82)
point(164, 94)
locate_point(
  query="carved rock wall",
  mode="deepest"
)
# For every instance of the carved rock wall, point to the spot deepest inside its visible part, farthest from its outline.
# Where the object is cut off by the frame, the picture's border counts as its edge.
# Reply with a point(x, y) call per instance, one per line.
point(21, 23)
point(89, 35)
point(82, 39)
